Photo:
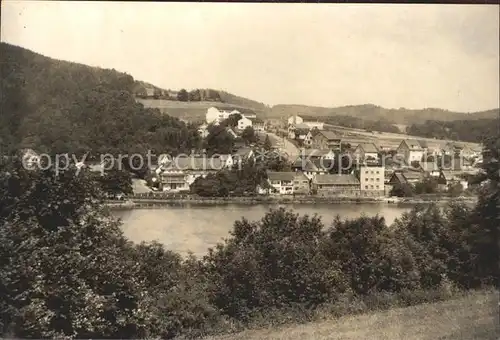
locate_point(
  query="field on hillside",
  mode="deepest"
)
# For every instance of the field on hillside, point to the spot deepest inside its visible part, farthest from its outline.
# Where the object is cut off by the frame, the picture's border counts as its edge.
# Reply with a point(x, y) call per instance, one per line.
point(474, 317)
point(191, 111)
point(392, 140)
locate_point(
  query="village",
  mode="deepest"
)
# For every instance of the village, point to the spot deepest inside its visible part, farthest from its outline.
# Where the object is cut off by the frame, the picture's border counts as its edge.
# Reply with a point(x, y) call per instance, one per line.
point(327, 162)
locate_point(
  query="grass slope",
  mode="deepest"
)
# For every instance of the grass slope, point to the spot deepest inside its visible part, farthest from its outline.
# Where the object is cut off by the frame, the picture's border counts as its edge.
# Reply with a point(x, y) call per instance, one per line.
point(373, 112)
point(195, 111)
point(469, 318)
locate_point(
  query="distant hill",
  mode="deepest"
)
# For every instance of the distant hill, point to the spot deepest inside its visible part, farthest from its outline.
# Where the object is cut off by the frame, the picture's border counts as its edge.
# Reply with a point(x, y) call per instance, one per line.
point(58, 106)
point(373, 112)
point(232, 99)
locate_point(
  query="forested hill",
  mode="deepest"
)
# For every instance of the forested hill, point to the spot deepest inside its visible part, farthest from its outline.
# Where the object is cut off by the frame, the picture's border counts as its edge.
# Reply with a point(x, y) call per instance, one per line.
point(58, 106)
point(373, 112)
point(241, 101)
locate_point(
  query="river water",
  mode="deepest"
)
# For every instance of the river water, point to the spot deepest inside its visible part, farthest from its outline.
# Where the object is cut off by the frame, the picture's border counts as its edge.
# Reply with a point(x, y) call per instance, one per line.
point(196, 227)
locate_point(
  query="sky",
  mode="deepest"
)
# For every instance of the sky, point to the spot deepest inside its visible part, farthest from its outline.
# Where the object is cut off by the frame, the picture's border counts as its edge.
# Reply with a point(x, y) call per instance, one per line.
point(412, 56)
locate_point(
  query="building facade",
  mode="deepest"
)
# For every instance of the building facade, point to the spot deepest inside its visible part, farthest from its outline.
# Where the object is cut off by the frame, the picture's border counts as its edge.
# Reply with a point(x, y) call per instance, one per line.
point(326, 140)
point(336, 185)
point(372, 181)
point(412, 150)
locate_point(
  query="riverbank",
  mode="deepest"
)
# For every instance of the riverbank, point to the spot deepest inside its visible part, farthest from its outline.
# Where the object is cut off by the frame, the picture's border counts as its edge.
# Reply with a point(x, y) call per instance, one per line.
point(165, 201)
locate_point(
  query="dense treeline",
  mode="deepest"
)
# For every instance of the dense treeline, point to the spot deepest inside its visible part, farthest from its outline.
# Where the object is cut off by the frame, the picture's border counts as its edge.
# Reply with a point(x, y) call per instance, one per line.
point(66, 270)
point(56, 106)
point(373, 112)
point(461, 130)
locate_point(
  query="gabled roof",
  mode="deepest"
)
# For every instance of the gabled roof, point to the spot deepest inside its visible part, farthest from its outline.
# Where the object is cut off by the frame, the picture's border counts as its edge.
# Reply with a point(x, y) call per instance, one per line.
point(305, 165)
point(314, 152)
point(368, 147)
point(281, 176)
point(330, 135)
point(336, 180)
point(300, 131)
point(302, 126)
point(412, 175)
point(414, 144)
point(243, 152)
point(451, 175)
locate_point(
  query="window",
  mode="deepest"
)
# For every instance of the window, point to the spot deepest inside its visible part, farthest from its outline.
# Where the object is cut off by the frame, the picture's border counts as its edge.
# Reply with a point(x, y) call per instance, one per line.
point(366, 186)
point(371, 186)
point(377, 186)
point(377, 172)
point(366, 172)
point(372, 179)
point(372, 172)
point(366, 179)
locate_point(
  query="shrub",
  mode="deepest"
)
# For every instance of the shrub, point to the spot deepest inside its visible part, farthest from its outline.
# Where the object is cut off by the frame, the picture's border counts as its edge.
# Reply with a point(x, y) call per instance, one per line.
point(272, 263)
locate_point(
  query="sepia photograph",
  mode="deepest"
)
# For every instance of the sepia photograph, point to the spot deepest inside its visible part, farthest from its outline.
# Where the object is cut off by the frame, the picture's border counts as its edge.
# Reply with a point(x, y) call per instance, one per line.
point(248, 171)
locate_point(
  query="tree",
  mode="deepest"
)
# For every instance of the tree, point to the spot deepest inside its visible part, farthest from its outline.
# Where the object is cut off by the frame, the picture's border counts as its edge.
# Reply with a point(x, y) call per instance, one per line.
point(182, 95)
point(53, 282)
point(115, 182)
point(428, 185)
point(267, 143)
point(218, 141)
point(194, 95)
point(248, 135)
point(274, 262)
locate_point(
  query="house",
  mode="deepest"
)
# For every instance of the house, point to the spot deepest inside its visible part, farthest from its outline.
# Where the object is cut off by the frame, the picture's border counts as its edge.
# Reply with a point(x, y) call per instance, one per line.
point(181, 172)
point(366, 151)
point(430, 168)
point(308, 139)
point(216, 115)
point(257, 124)
point(406, 177)
point(413, 150)
point(298, 133)
point(294, 120)
point(314, 125)
point(372, 180)
point(469, 151)
point(243, 123)
point(317, 154)
point(448, 177)
point(243, 154)
point(150, 92)
point(288, 183)
point(312, 168)
point(336, 185)
point(326, 140)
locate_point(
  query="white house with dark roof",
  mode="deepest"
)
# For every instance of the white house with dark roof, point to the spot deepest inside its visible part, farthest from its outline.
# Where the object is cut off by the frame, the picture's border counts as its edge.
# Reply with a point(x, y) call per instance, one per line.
point(294, 120)
point(243, 123)
point(413, 150)
point(288, 183)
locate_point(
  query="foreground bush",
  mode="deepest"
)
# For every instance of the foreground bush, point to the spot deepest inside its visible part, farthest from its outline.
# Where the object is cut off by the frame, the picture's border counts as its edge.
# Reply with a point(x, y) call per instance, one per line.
point(272, 263)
